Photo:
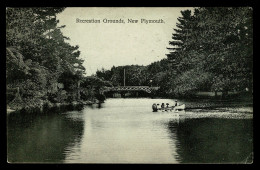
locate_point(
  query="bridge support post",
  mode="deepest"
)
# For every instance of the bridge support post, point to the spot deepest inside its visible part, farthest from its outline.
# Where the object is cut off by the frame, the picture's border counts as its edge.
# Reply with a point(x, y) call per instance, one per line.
point(123, 94)
point(78, 90)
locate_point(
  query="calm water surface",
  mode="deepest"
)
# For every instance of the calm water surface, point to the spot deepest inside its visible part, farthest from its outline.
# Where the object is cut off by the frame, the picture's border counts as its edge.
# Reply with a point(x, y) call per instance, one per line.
point(127, 131)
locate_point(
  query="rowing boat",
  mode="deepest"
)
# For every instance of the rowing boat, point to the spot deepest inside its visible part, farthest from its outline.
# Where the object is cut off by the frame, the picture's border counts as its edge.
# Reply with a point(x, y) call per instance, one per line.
point(181, 107)
point(175, 108)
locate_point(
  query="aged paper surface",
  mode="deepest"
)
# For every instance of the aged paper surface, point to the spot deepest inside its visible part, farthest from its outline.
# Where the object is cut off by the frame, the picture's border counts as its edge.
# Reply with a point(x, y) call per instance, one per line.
point(129, 85)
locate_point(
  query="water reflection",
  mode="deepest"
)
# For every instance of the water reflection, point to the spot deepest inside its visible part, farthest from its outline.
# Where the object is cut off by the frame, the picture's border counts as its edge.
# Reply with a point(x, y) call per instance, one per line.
point(123, 131)
point(37, 137)
point(211, 140)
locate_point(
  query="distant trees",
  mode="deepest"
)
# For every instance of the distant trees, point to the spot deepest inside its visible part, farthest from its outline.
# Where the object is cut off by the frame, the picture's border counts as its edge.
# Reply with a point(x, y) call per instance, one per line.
point(134, 75)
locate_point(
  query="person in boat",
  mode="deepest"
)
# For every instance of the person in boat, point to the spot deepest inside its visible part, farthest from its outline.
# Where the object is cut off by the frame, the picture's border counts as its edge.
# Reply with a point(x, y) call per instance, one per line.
point(167, 106)
point(154, 106)
point(176, 103)
point(162, 106)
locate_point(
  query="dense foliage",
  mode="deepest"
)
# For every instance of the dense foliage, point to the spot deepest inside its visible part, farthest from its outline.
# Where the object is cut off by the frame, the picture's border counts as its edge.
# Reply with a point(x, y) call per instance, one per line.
point(213, 50)
point(40, 63)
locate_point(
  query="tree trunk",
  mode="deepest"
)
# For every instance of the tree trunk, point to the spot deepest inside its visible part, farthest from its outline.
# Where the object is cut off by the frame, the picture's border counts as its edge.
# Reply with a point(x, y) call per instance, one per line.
point(216, 94)
point(224, 94)
point(78, 90)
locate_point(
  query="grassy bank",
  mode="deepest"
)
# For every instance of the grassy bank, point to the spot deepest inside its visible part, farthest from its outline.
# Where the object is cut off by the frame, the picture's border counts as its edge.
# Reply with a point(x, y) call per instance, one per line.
point(231, 101)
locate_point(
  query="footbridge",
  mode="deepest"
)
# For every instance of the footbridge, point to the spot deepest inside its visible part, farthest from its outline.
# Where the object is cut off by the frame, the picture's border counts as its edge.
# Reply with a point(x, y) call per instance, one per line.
point(147, 89)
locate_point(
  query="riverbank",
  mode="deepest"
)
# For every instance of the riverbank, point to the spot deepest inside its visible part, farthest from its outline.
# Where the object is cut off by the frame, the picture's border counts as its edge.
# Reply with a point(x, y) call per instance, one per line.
point(211, 102)
point(201, 103)
point(45, 106)
point(243, 100)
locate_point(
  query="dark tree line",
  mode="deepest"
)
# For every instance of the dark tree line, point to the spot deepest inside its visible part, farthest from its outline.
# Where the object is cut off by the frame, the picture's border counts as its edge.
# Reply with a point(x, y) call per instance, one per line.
point(212, 49)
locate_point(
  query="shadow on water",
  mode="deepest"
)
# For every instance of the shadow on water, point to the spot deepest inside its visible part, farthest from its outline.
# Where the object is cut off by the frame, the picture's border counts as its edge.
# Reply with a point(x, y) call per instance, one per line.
point(41, 137)
point(211, 140)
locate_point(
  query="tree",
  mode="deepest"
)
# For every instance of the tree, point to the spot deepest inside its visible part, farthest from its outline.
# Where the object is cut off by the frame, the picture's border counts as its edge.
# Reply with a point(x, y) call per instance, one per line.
point(227, 35)
point(38, 55)
point(183, 43)
point(216, 41)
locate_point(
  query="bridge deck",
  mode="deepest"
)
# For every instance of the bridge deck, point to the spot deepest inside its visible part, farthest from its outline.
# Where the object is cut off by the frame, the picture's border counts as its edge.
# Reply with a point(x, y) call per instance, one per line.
point(148, 89)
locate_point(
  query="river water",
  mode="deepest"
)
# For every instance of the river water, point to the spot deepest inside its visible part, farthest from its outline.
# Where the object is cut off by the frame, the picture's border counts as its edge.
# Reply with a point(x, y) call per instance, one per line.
point(127, 131)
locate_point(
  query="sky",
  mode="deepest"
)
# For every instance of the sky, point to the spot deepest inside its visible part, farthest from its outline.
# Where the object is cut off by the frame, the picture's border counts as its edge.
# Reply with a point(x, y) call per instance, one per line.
point(104, 45)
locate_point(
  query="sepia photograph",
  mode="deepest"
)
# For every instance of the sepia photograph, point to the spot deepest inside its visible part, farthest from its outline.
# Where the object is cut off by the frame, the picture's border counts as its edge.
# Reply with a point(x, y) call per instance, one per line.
point(129, 85)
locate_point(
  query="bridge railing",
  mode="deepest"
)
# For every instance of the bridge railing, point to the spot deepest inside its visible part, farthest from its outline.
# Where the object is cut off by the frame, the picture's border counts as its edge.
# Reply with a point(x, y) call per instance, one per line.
point(148, 89)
